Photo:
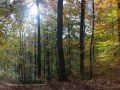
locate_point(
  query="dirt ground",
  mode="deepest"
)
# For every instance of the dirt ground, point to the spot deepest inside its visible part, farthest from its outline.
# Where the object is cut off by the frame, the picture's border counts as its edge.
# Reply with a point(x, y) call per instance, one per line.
point(95, 84)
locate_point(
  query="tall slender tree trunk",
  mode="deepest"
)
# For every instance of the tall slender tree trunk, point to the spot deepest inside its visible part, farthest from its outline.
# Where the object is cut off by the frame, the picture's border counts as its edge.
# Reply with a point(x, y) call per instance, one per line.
point(35, 56)
point(20, 62)
point(61, 61)
point(30, 62)
point(39, 40)
point(44, 62)
point(82, 38)
point(92, 42)
point(48, 63)
point(69, 52)
point(24, 58)
point(51, 62)
point(47, 53)
point(56, 57)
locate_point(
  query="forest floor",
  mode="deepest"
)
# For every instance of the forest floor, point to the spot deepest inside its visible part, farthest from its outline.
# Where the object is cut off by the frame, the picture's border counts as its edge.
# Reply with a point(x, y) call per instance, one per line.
point(94, 84)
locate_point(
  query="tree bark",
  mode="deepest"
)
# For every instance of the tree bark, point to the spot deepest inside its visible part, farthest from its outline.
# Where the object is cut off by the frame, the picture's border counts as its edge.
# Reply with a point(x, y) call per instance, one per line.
point(69, 52)
point(47, 54)
point(35, 56)
point(82, 38)
point(39, 40)
point(92, 42)
point(61, 61)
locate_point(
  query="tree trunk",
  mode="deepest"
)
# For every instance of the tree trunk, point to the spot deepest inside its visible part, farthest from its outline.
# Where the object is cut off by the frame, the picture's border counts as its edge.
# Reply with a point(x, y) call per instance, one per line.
point(92, 42)
point(39, 40)
point(20, 62)
point(69, 52)
point(82, 38)
point(35, 56)
point(61, 61)
point(56, 57)
point(44, 62)
point(47, 54)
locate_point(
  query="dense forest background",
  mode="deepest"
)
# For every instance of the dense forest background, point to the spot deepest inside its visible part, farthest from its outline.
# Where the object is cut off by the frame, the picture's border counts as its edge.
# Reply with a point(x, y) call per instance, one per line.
point(44, 41)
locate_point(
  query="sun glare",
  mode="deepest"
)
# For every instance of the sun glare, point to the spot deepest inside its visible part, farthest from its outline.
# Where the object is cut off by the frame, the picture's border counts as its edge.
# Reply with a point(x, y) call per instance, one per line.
point(11, 1)
point(33, 10)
